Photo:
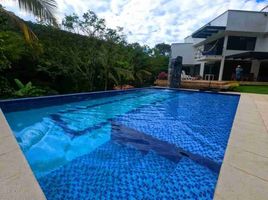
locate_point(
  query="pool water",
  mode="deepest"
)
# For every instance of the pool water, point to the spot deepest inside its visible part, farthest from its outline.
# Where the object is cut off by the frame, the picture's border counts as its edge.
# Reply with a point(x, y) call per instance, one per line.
point(140, 144)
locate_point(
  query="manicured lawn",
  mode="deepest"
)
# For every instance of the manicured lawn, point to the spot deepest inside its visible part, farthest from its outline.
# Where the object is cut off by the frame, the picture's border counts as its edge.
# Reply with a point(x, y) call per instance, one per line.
point(259, 89)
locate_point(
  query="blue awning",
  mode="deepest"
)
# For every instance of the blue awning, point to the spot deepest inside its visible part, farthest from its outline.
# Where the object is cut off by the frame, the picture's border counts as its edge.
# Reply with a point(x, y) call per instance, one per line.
point(207, 31)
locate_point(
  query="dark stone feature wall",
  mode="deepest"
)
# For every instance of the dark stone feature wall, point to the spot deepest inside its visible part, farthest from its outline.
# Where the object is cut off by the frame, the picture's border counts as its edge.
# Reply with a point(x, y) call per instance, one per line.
point(174, 72)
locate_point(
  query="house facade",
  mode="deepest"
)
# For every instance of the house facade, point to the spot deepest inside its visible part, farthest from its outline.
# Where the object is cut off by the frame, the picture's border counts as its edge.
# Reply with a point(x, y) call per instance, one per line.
point(233, 38)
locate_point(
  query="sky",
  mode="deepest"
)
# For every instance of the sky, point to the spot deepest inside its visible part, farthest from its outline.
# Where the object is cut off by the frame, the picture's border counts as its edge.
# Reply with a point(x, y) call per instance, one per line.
point(149, 21)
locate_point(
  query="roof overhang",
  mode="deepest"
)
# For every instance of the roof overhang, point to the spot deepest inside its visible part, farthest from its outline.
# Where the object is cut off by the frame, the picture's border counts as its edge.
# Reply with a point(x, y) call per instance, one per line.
point(250, 55)
point(207, 31)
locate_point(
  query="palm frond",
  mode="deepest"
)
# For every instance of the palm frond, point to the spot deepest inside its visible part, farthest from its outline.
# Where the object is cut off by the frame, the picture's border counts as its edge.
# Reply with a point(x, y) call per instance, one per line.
point(140, 74)
point(145, 72)
point(111, 76)
point(27, 32)
point(125, 73)
point(43, 9)
point(266, 7)
point(19, 83)
point(139, 77)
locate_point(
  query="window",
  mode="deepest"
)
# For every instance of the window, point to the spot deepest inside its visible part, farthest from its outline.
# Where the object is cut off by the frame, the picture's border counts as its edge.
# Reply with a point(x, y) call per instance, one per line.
point(241, 43)
point(213, 48)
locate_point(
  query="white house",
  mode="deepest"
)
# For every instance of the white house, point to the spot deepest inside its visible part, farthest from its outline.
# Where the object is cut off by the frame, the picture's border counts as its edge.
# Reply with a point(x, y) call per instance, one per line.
point(234, 38)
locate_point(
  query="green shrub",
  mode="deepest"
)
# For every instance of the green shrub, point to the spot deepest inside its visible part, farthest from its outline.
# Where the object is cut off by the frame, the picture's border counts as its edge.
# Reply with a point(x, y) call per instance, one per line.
point(5, 88)
point(28, 90)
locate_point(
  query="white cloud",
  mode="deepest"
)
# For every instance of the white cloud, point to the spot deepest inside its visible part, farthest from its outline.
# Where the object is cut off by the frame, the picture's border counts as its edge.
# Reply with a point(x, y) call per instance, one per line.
point(152, 21)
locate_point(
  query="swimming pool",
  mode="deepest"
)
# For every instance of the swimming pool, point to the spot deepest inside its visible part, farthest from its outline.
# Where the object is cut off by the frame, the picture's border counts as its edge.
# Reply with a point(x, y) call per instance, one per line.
point(138, 144)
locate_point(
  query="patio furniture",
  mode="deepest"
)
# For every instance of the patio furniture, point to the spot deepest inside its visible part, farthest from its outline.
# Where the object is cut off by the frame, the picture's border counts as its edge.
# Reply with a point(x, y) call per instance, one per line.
point(184, 76)
point(209, 77)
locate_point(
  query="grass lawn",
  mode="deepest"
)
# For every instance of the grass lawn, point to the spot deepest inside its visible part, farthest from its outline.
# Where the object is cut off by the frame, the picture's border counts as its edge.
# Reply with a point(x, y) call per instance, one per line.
point(259, 89)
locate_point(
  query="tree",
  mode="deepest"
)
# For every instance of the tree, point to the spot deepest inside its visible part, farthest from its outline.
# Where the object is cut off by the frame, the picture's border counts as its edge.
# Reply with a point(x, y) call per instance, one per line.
point(71, 23)
point(139, 59)
point(107, 56)
point(95, 60)
point(12, 47)
point(162, 49)
point(42, 9)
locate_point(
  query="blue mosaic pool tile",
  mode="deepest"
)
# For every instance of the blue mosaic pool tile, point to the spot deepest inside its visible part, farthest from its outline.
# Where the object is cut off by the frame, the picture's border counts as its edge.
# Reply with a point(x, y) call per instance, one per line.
point(187, 122)
point(80, 120)
point(188, 181)
point(92, 175)
point(170, 146)
point(118, 172)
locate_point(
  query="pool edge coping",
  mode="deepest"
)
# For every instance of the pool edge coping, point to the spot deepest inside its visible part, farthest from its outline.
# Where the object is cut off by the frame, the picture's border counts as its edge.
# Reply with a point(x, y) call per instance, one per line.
point(244, 171)
point(115, 91)
point(17, 180)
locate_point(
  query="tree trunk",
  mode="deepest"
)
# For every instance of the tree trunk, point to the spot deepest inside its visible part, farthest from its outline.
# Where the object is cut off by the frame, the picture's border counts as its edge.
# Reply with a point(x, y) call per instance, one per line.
point(106, 82)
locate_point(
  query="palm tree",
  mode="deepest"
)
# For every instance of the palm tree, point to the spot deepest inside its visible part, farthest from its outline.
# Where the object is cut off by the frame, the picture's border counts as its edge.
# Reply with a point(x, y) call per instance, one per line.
point(266, 7)
point(43, 9)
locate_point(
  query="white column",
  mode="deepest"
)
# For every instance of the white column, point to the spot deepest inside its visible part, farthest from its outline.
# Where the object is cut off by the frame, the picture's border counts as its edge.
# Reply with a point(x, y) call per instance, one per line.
point(255, 67)
point(221, 69)
point(223, 57)
point(202, 68)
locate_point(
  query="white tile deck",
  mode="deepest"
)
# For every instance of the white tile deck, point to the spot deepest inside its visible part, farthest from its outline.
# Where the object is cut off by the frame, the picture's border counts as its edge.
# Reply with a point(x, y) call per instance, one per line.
point(244, 173)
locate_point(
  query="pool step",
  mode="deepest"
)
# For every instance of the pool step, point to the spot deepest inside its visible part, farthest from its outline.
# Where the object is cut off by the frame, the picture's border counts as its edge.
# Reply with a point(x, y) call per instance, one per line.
point(176, 125)
point(145, 143)
point(81, 120)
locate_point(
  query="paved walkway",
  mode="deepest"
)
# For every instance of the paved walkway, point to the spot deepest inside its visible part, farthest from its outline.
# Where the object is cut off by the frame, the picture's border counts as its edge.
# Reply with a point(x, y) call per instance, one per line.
point(244, 173)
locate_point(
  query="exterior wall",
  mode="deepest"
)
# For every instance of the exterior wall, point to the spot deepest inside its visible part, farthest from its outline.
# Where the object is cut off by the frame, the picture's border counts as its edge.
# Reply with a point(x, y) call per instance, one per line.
point(247, 21)
point(266, 30)
point(221, 20)
point(262, 43)
point(186, 50)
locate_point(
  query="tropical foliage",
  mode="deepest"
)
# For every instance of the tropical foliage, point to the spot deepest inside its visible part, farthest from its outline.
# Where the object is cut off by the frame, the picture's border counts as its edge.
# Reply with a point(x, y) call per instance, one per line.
point(84, 55)
point(43, 10)
point(27, 89)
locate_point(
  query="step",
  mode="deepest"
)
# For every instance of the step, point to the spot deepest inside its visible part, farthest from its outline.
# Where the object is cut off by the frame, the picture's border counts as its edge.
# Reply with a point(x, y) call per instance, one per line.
point(157, 122)
point(145, 143)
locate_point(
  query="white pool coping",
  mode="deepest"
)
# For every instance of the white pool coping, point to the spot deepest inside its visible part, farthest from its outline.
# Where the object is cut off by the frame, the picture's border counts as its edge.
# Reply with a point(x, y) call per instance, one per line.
point(244, 172)
point(17, 181)
point(243, 175)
